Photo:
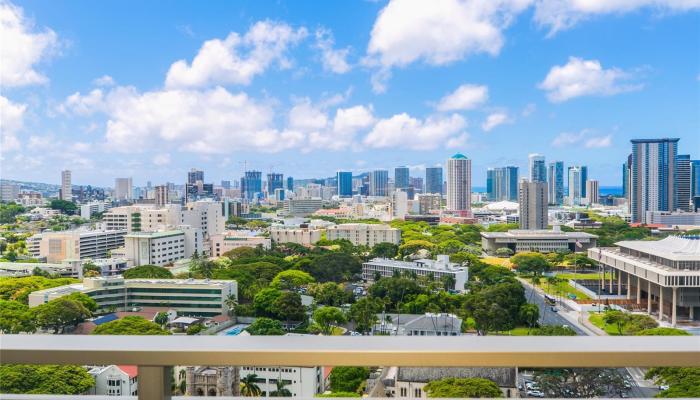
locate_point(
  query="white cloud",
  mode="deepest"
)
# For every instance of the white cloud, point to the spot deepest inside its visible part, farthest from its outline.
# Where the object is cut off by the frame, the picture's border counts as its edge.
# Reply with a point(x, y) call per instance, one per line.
point(236, 59)
point(40, 143)
point(558, 15)
point(305, 117)
point(334, 60)
point(465, 97)
point(11, 122)
point(22, 47)
point(494, 120)
point(529, 109)
point(585, 137)
point(84, 105)
point(104, 80)
point(580, 77)
point(404, 131)
point(161, 159)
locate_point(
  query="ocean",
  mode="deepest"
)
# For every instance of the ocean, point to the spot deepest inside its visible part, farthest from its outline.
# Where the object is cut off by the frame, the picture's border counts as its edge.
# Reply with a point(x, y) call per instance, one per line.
point(604, 190)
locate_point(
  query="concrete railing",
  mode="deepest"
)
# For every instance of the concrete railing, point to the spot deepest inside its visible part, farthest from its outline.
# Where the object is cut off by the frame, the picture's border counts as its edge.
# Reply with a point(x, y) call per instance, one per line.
point(155, 355)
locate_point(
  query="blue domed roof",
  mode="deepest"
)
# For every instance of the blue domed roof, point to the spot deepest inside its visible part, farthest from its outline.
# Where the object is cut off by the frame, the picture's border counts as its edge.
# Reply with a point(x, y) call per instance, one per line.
point(459, 156)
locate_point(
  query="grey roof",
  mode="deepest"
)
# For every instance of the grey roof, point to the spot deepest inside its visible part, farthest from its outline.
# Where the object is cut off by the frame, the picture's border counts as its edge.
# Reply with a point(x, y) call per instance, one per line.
point(671, 248)
point(435, 322)
point(503, 377)
point(537, 234)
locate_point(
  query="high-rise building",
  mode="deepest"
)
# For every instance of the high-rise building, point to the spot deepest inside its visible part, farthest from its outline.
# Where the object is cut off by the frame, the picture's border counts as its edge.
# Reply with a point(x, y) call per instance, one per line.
point(226, 184)
point(538, 169)
point(502, 183)
point(653, 171)
point(555, 182)
point(162, 197)
point(379, 183)
point(533, 205)
point(401, 175)
point(290, 183)
point(66, 186)
point(344, 179)
point(695, 185)
point(274, 181)
point(429, 202)
point(683, 183)
point(399, 203)
point(195, 175)
point(592, 192)
point(123, 189)
point(251, 183)
point(433, 180)
point(577, 185)
point(626, 178)
point(416, 182)
point(459, 183)
point(9, 192)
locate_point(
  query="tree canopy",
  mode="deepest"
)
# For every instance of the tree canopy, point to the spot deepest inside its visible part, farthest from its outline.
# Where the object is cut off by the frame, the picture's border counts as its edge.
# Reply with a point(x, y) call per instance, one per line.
point(131, 325)
point(348, 379)
point(59, 314)
point(462, 388)
point(328, 317)
point(265, 327)
point(531, 263)
point(44, 379)
point(291, 280)
point(147, 272)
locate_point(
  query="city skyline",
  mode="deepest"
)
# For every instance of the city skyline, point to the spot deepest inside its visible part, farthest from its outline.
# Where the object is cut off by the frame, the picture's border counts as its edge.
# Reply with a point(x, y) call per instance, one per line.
point(353, 94)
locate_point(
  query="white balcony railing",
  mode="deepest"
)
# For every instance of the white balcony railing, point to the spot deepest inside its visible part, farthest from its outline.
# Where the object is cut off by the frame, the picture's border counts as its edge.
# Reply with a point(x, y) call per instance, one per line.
point(154, 355)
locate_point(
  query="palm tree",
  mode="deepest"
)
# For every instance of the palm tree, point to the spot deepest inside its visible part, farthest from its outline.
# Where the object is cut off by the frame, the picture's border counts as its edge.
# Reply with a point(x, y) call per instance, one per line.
point(281, 391)
point(249, 387)
point(231, 302)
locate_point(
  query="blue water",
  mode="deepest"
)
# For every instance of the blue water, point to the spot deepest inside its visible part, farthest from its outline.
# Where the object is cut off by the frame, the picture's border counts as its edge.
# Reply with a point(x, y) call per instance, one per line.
point(604, 190)
point(234, 332)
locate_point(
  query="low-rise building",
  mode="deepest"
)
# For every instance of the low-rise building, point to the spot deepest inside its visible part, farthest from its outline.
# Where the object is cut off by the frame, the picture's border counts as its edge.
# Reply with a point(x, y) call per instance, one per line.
point(230, 240)
point(302, 207)
point(408, 382)
point(673, 218)
point(114, 380)
point(155, 248)
point(74, 244)
point(65, 269)
point(31, 199)
point(544, 241)
point(189, 297)
point(364, 234)
point(303, 235)
point(302, 382)
point(452, 275)
point(427, 324)
point(94, 207)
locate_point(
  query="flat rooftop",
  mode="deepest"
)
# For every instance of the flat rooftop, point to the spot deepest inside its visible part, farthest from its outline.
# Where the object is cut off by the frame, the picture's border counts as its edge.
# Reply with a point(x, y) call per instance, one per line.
point(676, 248)
point(155, 234)
point(417, 264)
point(537, 234)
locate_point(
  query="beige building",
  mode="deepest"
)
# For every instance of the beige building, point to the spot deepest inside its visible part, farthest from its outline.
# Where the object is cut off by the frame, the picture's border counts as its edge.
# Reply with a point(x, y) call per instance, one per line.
point(304, 236)
point(230, 240)
point(592, 192)
point(155, 248)
point(533, 205)
point(544, 241)
point(162, 195)
point(66, 186)
point(459, 183)
point(429, 202)
point(364, 234)
point(74, 244)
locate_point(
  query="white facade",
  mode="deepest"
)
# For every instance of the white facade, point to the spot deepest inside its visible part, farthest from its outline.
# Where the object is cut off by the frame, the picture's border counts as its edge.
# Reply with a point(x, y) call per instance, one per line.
point(155, 248)
point(115, 380)
point(364, 234)
point(575, 185)
point(437, 269)
point(399, 204)
point(459, 183)
point(75, 244)
point(533, 204)
point(302, 236)
point(592, 192)
point(230, 240)
point(302, 382)
point(92, 208)
point(123, 189)
point(9, 192)
point(302, 207)
point(66, 186)
point(673, 218)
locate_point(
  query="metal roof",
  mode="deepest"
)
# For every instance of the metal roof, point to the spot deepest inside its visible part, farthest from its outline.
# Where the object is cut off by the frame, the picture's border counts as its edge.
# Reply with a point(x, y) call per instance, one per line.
point(676, 248)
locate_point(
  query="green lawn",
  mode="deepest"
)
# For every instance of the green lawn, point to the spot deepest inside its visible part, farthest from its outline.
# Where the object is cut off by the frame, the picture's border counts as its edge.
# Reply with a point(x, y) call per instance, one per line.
point(562, 288)
point(580, 276)
point(597, 320)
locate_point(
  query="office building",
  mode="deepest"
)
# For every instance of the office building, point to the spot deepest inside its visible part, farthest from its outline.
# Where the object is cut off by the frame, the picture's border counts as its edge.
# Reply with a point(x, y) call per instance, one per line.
point(577, 185)
point(251, 184)
point(653, 176)
point(669, 218)
point(189, 297)
point(433, 180)
point(66, 186)
point(194, 176)
point(379, 183)
point(302, 207)
point(123, 189)
point(626, 178)
point(74, 244)
point(303, 235)
point(543, 241)
point(29, 199)
point(695, 178)
point(401, 176)
point(459, 183)
point(229, 240)
point(428, 203)
point(592, 192)
point(290, 183)
point(344, 179)
point(93, 208)
point(538, 169)
point(399, 204)
point(9, 192)
point(533, 205)
point(274, 181)
point(664, 274)
point(502, 184)
point(683, 183)
point(555, 183)
point(438, 270)
point(304, 382)
point(162, 195)
point(364, 234)
point(155, 248)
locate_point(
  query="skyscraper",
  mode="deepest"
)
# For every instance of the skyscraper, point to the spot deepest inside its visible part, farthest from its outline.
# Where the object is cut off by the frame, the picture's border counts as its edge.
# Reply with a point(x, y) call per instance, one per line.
point(66, 186)
point(123, 189)
point(683, 183)
point(653, 176)
point(401, 178)
point(344, 179)
point(695, 185)
point(625, 178)
point(274, 181)
point(251, 183)
point(577, 185)
point(379, 183)
point(592, 192)
point(502, 183)
point(555, 183)
point(533, 205)
point(162, 197)
point(195, 175)
point(538, 170)
point(290, 183)
point(226, 184)
point(459, 183)
point(433, 180)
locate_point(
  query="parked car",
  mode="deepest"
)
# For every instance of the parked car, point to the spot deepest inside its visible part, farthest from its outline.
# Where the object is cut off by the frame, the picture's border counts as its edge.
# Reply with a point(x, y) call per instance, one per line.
point(535, 393)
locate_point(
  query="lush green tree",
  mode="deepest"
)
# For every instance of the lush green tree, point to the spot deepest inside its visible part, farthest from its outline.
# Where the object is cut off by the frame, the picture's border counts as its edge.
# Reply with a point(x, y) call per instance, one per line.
point(147, 272)
point(450, 246)
point(348, 379)
point(395, 290)
point(201, 266)
point(242, 252)
point(333, 267)
point(9, 212)
point(131, 325)
point(364, 313)
point(497, 307)
point(617, 318)
point(385, 250)
point(682, 382)
point(329, 294)
point(19, 288)
point(265, 327)
point(529, 314)
point(15, 317)
point(90, 269)
point(531, 263)
point(501, 227)
point(553, 330)
point(194, 329)
point(487, 275)
point(59, 314)
point(280, 390)
point(44, 379)
point(64, 206)
point(83, 299)
point(288, 307)
point(583, 382)
point(264, 302)
point(504, 252)
point(663, 332)
point(291, 280)
point(249, 386)
point(328, 317)
point(412, 246)
point(161, 319)
point(251, 277)
point(580, 260)
point(462, 388)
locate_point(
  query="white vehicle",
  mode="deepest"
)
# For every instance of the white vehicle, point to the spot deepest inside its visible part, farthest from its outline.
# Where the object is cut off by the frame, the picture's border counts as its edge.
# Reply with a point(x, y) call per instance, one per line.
point(663, 387)
point(535, 393)
point(531, 386)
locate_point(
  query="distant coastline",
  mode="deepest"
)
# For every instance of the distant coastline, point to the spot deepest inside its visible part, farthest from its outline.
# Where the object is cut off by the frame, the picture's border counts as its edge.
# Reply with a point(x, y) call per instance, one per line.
point(604, 190)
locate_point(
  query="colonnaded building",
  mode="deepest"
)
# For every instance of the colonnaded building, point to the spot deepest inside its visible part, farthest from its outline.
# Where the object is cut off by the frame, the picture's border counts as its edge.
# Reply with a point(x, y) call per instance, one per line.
point(664, 274)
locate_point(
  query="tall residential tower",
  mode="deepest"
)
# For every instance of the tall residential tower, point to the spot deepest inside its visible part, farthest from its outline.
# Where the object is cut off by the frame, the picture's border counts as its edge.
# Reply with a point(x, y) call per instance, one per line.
point(459, 183)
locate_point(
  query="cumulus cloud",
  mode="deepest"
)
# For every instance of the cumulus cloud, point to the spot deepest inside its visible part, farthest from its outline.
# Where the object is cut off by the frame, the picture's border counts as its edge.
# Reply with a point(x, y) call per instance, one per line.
point(306, 117)
point(586, 137)
point(22, 47)
point(579, 77)
point(465, 97)
point(334, 60)
point(83, 104)
point(404, 131)
point(236, 59)
point(161, 159)
point(104, 80)
point(494, 120)
point(558, 15)
point(11, 122)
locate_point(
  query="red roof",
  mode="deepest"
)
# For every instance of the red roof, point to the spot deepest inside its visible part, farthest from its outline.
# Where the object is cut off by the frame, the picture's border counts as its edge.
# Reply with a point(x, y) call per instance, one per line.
point(130, 370)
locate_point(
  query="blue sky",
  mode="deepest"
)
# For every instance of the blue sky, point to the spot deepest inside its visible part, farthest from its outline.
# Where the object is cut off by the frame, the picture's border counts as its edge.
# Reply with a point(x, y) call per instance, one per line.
point(152, 89)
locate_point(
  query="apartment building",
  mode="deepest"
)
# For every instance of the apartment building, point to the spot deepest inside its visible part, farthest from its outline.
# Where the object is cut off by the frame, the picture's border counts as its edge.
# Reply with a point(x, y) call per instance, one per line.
point(440, 270)
point(230, 240)
point(364, 234)
point(302, 207)
point(304, 235)
point(74, 244)
point(155, 248)
point(189, 297)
